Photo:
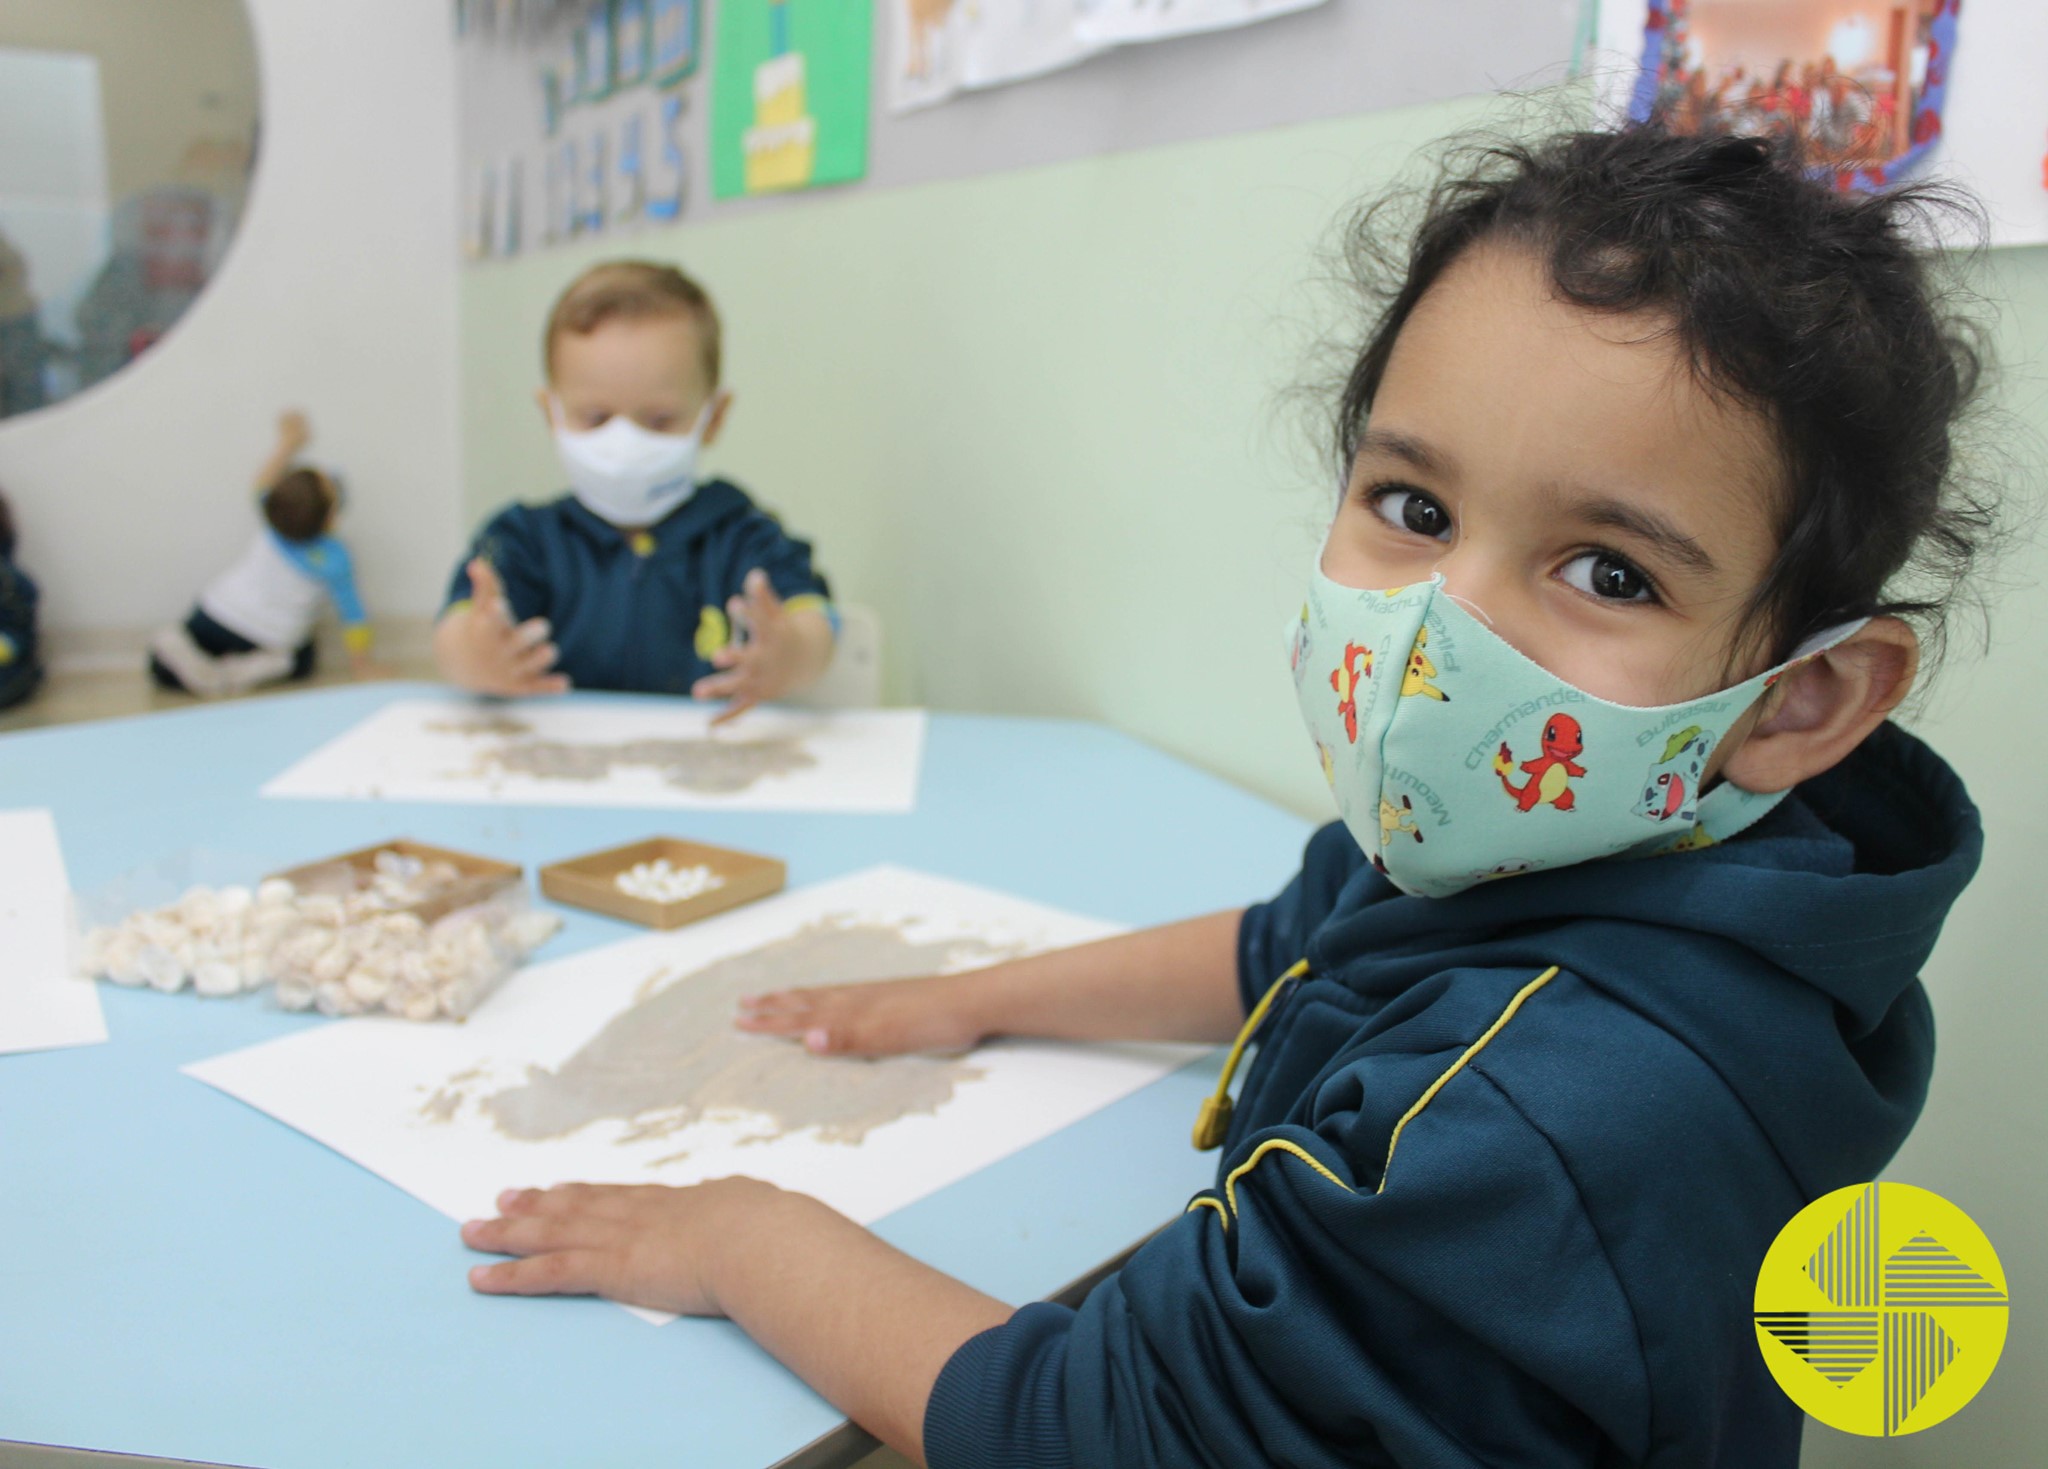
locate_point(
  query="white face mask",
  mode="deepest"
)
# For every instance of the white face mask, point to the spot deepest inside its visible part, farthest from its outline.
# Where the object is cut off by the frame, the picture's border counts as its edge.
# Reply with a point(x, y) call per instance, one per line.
point(626, 474)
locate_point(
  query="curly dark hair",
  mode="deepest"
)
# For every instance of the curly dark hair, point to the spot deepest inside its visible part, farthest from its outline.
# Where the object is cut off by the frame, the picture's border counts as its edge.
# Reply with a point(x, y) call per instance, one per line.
point(1817, 308)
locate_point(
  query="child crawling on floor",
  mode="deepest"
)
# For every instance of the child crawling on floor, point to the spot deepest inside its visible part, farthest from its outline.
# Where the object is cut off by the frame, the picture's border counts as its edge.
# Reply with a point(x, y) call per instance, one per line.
point(253, 624)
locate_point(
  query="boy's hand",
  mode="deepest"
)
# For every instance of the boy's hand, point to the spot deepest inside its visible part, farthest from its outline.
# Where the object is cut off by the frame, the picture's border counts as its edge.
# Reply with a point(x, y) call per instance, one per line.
point(882, 1018)
point(783, 652)
point(480, 649)
point(644, 1245)
point(293, 432)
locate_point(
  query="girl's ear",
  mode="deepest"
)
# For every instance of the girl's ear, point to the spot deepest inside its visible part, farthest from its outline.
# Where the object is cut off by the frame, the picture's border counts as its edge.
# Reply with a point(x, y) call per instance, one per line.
point(1821, 710)
point(721, 404)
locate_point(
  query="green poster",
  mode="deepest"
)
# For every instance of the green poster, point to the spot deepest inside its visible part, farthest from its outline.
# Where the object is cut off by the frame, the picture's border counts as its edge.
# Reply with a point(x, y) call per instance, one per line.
point(789, 94)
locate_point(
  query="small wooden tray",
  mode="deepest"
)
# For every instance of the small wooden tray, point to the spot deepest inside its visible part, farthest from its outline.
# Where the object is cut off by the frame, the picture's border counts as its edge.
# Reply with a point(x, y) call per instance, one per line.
point(482, 877)
point(591, 881)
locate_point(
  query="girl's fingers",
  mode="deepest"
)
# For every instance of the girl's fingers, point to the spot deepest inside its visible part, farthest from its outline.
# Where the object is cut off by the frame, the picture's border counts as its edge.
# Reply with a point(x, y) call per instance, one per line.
point(538, 1233)
point(563, 1273)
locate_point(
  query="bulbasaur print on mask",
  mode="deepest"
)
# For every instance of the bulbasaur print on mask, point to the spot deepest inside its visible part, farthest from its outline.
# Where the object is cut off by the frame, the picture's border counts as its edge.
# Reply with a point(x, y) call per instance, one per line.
point(1456, 760)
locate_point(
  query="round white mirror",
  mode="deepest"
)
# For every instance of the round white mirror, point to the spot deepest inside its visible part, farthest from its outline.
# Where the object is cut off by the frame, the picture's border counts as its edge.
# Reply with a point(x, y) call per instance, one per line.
point(127, 139)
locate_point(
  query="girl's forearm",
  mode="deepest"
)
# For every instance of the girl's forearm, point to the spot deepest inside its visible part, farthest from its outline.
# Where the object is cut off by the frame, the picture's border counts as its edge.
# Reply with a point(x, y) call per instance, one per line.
point(860, 1321)
point(1173, 983)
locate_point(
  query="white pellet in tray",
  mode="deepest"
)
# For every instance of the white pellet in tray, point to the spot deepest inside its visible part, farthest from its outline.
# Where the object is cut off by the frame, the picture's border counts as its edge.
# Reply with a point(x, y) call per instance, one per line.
point(663, 882)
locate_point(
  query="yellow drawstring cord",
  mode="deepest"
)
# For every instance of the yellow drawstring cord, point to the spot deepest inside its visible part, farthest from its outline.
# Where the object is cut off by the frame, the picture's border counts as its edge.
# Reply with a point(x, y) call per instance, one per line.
point(1214, 1119)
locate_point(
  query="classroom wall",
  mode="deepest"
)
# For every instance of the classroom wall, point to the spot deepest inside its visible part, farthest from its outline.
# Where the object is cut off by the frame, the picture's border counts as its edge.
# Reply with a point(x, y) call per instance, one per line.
point(338, 294)
point(1042, 421)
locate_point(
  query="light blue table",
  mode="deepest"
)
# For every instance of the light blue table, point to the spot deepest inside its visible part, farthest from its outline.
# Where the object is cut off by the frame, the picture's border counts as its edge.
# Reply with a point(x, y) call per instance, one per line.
point(182, 1276)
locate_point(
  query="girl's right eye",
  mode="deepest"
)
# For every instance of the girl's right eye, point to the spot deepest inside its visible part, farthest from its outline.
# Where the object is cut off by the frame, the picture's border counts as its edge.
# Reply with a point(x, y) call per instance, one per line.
point(1407, 508)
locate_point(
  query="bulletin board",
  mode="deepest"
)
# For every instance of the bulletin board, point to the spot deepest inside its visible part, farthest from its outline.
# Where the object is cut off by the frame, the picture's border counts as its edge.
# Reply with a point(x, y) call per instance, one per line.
point(592, 152)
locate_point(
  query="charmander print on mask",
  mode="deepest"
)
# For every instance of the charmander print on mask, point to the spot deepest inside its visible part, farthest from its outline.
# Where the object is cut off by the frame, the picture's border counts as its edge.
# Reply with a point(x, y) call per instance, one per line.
point(1345, 679)
point(1550, 773)
point(1499, 766)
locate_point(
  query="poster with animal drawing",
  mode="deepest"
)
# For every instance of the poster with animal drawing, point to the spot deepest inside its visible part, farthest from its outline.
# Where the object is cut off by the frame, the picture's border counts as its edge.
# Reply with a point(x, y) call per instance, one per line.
point(618, 751)
point(942, 47)
point(1881, 92)
point(1113, 22)
point(622, 1065)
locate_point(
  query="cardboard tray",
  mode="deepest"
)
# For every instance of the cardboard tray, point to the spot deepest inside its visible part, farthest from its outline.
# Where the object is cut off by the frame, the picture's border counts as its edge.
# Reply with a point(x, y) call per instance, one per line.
point(482, 877)
point(590, 881)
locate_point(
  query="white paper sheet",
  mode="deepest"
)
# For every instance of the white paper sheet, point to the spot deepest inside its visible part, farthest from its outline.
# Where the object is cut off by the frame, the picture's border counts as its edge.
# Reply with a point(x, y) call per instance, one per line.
point(42, 1004)
point(937, 51)
point(1110, 22)
point(409, 1101)
point(771, 759)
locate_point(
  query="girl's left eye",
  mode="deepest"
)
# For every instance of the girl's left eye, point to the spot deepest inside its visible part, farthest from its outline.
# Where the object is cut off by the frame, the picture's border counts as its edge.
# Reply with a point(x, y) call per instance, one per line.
point(1607, 576)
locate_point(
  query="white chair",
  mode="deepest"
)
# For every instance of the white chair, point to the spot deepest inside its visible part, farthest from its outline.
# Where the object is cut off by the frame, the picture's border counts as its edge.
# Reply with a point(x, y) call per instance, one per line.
point(854, 679)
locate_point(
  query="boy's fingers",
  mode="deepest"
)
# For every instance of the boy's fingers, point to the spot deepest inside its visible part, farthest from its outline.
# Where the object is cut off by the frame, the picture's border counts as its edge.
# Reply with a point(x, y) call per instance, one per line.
point(533, 630)
point(484, 586)
point(729, 656)
point(734, 710)
point(761, 595)
point(535, 661)
point(563, 1273)
point(715, 685)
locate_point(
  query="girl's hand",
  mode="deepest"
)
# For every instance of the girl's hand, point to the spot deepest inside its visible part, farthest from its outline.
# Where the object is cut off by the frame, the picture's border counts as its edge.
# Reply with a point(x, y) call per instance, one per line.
point(783, 651)
point(644, 1245)
point(883, 1018)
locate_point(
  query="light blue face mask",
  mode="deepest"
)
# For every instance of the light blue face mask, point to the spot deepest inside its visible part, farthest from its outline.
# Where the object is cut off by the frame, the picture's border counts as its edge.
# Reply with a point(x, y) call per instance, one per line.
point(1456, 760)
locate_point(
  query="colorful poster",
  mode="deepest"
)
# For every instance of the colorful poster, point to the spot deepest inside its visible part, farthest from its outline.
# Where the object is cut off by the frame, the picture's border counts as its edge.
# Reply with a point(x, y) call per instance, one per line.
point(789, 98)
point(1879, 91)
point(941, 47)
point(1114, 22)
point(675, 40)
point(631, 43)
point(594, 53)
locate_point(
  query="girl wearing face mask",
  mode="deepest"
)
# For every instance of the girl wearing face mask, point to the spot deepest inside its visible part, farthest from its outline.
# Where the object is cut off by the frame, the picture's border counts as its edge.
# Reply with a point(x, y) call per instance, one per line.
point(1610, 964)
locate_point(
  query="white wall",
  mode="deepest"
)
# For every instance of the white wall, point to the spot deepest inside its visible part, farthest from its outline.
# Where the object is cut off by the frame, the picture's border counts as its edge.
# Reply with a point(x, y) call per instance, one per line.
point(338, 295)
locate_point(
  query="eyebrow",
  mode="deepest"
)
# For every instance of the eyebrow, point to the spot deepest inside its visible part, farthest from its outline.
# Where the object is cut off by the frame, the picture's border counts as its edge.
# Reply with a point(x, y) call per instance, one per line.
point(1646, 526)
point(1408, 449)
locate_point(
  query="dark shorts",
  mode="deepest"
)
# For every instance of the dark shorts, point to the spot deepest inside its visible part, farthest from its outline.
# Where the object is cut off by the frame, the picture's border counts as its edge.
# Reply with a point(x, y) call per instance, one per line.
point(217, 642)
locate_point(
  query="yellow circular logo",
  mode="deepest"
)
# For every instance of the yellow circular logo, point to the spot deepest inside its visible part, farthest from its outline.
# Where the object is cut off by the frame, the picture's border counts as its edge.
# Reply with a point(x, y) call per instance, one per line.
point(1881, 1309)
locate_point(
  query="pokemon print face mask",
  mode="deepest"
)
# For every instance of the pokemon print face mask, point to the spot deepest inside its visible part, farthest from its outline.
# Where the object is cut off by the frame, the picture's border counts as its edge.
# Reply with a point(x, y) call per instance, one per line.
point(1456, 760)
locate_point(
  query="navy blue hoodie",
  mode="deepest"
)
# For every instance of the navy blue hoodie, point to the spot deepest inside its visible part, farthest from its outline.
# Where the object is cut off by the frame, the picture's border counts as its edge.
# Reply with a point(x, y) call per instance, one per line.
point(640, 612)
point(1500, 1180)
point(20, 669)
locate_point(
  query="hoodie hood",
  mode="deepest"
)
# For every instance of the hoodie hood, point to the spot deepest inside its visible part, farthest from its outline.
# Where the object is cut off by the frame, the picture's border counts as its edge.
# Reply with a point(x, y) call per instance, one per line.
point(1788, 958)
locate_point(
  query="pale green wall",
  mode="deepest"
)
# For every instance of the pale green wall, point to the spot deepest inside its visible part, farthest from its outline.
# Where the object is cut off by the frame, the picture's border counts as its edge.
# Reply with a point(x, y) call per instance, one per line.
point(1036, 419)
point(1029, 417)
